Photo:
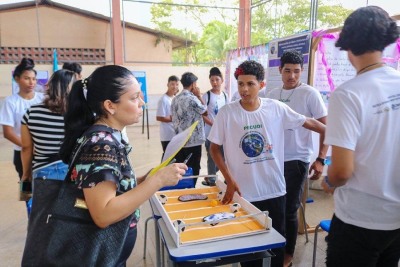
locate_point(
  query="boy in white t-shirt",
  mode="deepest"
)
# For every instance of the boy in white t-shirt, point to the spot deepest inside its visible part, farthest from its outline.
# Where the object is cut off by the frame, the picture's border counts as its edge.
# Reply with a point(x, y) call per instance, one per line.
point(363, 128)
point(251, 131)
point(215, 99)
point(163, 114)
point(305, 100)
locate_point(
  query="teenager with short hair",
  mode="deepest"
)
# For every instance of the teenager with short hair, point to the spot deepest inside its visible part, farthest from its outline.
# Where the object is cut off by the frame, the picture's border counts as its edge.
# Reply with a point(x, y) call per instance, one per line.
point(215, 99)
point(251, 131)
point(163, 114)
point(186, 108)
point(307, 101)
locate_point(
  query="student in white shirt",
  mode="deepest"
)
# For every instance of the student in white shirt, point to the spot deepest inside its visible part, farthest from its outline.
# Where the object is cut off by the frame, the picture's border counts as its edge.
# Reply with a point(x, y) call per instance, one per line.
point(215, 99)
point(163, 114)
point(307, 101)
point(364, 131)
point(15, 106)
point(251, 131)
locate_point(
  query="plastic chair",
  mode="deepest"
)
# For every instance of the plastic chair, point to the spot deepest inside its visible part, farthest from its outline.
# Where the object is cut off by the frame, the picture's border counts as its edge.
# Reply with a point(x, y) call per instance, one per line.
point(303, 216)
point(325, 225)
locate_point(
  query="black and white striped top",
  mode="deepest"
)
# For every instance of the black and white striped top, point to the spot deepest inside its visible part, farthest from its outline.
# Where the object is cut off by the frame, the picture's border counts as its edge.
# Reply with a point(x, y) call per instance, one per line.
point(47, 131)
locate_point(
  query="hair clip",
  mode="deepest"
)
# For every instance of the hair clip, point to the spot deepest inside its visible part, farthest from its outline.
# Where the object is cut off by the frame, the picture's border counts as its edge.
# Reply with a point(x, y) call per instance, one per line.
point(84, 83)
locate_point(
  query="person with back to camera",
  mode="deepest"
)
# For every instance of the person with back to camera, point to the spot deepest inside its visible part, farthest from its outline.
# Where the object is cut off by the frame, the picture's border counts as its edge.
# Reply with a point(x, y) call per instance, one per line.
point(98, 108)
point(363, 129)
point(15, 106)
point(42, 130)
point(251, 131)
point(307, 101)
point(215, 99)
point(186, 108)
point(74, 67)
point(163, 114)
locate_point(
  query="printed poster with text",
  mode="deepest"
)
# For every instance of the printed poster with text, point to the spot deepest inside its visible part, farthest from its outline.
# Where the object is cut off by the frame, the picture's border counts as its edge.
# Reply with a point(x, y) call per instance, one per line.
point(300, 42)
point(332, 66)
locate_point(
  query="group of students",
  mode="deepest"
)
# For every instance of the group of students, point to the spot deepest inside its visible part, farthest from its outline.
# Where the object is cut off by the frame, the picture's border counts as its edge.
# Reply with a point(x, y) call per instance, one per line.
point(177, 114)
point(267, 144)
point(262, 159)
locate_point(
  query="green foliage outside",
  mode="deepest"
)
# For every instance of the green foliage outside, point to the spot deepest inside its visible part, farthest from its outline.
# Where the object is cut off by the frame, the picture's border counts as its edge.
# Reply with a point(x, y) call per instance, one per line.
point(216, 32)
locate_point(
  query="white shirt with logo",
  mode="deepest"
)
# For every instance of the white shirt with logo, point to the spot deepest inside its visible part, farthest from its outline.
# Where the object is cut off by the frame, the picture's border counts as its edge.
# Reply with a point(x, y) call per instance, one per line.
point(254, 145)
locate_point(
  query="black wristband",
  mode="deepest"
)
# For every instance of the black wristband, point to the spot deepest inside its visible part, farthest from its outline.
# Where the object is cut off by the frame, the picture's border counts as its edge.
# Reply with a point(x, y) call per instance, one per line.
point(321, 160)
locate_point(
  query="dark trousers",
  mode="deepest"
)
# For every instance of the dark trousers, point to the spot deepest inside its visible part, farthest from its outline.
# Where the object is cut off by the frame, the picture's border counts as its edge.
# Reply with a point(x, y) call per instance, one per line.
point(128, 247)
point(18, 163)
point(350, 245)
point(295, 175)
point(194, 161)
point(18, 167)
point(212, 168)
point(276, 209)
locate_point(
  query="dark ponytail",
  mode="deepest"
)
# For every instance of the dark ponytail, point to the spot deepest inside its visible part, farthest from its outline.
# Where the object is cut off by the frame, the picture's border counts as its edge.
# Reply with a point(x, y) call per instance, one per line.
point(105, 83)
point(77, 119)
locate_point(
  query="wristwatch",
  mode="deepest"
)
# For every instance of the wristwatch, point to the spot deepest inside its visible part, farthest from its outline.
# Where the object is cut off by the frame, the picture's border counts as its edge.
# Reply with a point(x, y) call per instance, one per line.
point(321, 160)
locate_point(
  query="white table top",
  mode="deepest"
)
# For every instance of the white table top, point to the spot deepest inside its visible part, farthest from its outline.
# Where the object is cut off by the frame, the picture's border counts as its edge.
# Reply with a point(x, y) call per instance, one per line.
point(220, 248)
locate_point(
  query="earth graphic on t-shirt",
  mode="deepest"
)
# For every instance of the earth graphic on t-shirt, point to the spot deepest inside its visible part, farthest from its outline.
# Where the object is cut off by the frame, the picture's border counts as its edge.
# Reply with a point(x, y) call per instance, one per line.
point(253, 144)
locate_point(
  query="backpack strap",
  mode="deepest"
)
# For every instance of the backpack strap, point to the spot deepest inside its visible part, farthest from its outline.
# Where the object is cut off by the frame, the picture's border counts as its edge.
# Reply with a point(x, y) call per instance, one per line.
point(209, 96)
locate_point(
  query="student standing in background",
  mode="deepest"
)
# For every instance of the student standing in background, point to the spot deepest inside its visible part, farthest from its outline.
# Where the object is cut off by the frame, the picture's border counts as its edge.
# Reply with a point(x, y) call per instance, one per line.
point(215, 99)
point(163, 114)
point(15, 106)
point(186, 108)
point(307, 101)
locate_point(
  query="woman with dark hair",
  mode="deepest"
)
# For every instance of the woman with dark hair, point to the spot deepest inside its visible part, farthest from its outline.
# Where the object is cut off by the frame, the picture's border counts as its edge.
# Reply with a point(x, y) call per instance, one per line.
point(15, 106)
point(74, 67)
point(42, 131)
point(364, 131)
point(99, 107)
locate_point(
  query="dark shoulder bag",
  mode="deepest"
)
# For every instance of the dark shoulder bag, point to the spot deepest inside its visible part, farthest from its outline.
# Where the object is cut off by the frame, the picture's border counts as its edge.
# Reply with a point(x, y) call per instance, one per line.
point(61, 231)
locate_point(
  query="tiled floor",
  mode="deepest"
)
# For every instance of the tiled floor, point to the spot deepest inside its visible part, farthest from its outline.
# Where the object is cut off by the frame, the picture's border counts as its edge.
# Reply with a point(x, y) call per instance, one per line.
point(146, 154)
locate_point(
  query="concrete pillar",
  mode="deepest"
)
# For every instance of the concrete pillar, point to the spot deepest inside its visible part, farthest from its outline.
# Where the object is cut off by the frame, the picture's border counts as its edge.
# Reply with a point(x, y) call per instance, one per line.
point(244, 29)
point(117, 33)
